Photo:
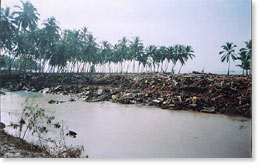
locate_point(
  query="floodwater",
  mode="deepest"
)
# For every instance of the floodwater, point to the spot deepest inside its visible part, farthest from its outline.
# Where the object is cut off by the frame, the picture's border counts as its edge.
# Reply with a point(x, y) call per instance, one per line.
point(108, 130)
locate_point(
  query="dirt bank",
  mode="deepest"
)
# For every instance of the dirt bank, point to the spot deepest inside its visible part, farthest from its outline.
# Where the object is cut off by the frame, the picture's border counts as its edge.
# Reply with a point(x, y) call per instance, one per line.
point(12, 147)
point(198, 92)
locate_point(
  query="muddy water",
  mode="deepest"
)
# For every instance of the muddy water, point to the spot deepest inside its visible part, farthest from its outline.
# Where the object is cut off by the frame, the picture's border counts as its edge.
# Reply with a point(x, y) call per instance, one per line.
point(129, 131)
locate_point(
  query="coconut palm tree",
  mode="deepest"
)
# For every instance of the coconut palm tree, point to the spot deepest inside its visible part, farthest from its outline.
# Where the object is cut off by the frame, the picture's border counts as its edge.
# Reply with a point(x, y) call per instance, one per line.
point(121, 52)
point(172, 57)
point(246, 55)
point(245, 62)
point(228, 53)
point(106, 53)
point(27, 17)
point(187, 54)
point(7, 34)
point(136, 49)
point(92, 50)
point(47, 38)
point(248, 48)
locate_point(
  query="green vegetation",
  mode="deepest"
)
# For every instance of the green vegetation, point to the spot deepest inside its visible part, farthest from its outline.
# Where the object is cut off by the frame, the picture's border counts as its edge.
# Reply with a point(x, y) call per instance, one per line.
point(28, 47)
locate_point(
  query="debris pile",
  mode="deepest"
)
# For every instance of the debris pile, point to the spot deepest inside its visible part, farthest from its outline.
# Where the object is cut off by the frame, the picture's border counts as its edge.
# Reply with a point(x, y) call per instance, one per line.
point(196, 91)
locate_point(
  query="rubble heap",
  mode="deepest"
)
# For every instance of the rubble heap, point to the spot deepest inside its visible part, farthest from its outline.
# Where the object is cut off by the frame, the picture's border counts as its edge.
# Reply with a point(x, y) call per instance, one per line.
point(196, 91)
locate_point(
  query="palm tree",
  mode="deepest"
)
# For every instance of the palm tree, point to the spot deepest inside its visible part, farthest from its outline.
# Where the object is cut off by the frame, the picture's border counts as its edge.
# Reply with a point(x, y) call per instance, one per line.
point(2, 62)
point(228, 51)
point(106, 53)
point(248, 48)
point(136, 49)
point(7, 33)
point(172, 57)
point(246, 55)
point(163, 55)
point(47, 37)
point(188, 54)
point(180, 55)
point(27, 17)
point(122, 51)
point(92, 50)
point(245, 62)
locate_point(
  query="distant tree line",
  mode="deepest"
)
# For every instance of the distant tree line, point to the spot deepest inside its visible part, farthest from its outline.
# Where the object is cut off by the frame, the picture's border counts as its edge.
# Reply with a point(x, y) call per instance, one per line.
point(27, 47)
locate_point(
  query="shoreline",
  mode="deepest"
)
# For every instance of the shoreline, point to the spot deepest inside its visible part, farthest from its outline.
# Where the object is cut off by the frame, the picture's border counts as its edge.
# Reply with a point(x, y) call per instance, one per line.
point(199, 92)
point(13, 147)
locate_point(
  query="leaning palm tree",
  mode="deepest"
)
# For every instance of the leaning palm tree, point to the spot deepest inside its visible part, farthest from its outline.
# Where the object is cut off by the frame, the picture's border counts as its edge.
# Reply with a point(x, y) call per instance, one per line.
point(186, 53)
point(228, 51)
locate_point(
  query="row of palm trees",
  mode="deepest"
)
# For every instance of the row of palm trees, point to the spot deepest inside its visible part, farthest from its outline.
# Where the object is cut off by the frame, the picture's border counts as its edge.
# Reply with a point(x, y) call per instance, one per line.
point(46, 48)
point(244, 55)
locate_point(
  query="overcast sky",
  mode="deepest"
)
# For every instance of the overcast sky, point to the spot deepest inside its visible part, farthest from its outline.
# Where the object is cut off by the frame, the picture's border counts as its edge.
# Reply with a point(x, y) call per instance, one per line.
point(203, 24)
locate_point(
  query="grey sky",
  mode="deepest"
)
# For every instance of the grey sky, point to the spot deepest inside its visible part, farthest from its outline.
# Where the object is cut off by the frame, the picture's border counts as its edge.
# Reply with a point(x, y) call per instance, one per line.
point(203, 24)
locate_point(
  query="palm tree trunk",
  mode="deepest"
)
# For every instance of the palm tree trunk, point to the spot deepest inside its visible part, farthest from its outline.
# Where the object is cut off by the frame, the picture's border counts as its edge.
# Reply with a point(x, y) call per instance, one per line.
point(228, 66)
point(180, 69)
point(134, 67)
point(10, 65)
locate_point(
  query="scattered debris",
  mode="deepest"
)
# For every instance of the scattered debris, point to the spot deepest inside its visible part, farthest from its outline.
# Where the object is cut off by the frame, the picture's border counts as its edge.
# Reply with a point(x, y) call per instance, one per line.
point(55, 102)
point(208, 110)
point(195, 91)
point(159, 100)
point(71, 134)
